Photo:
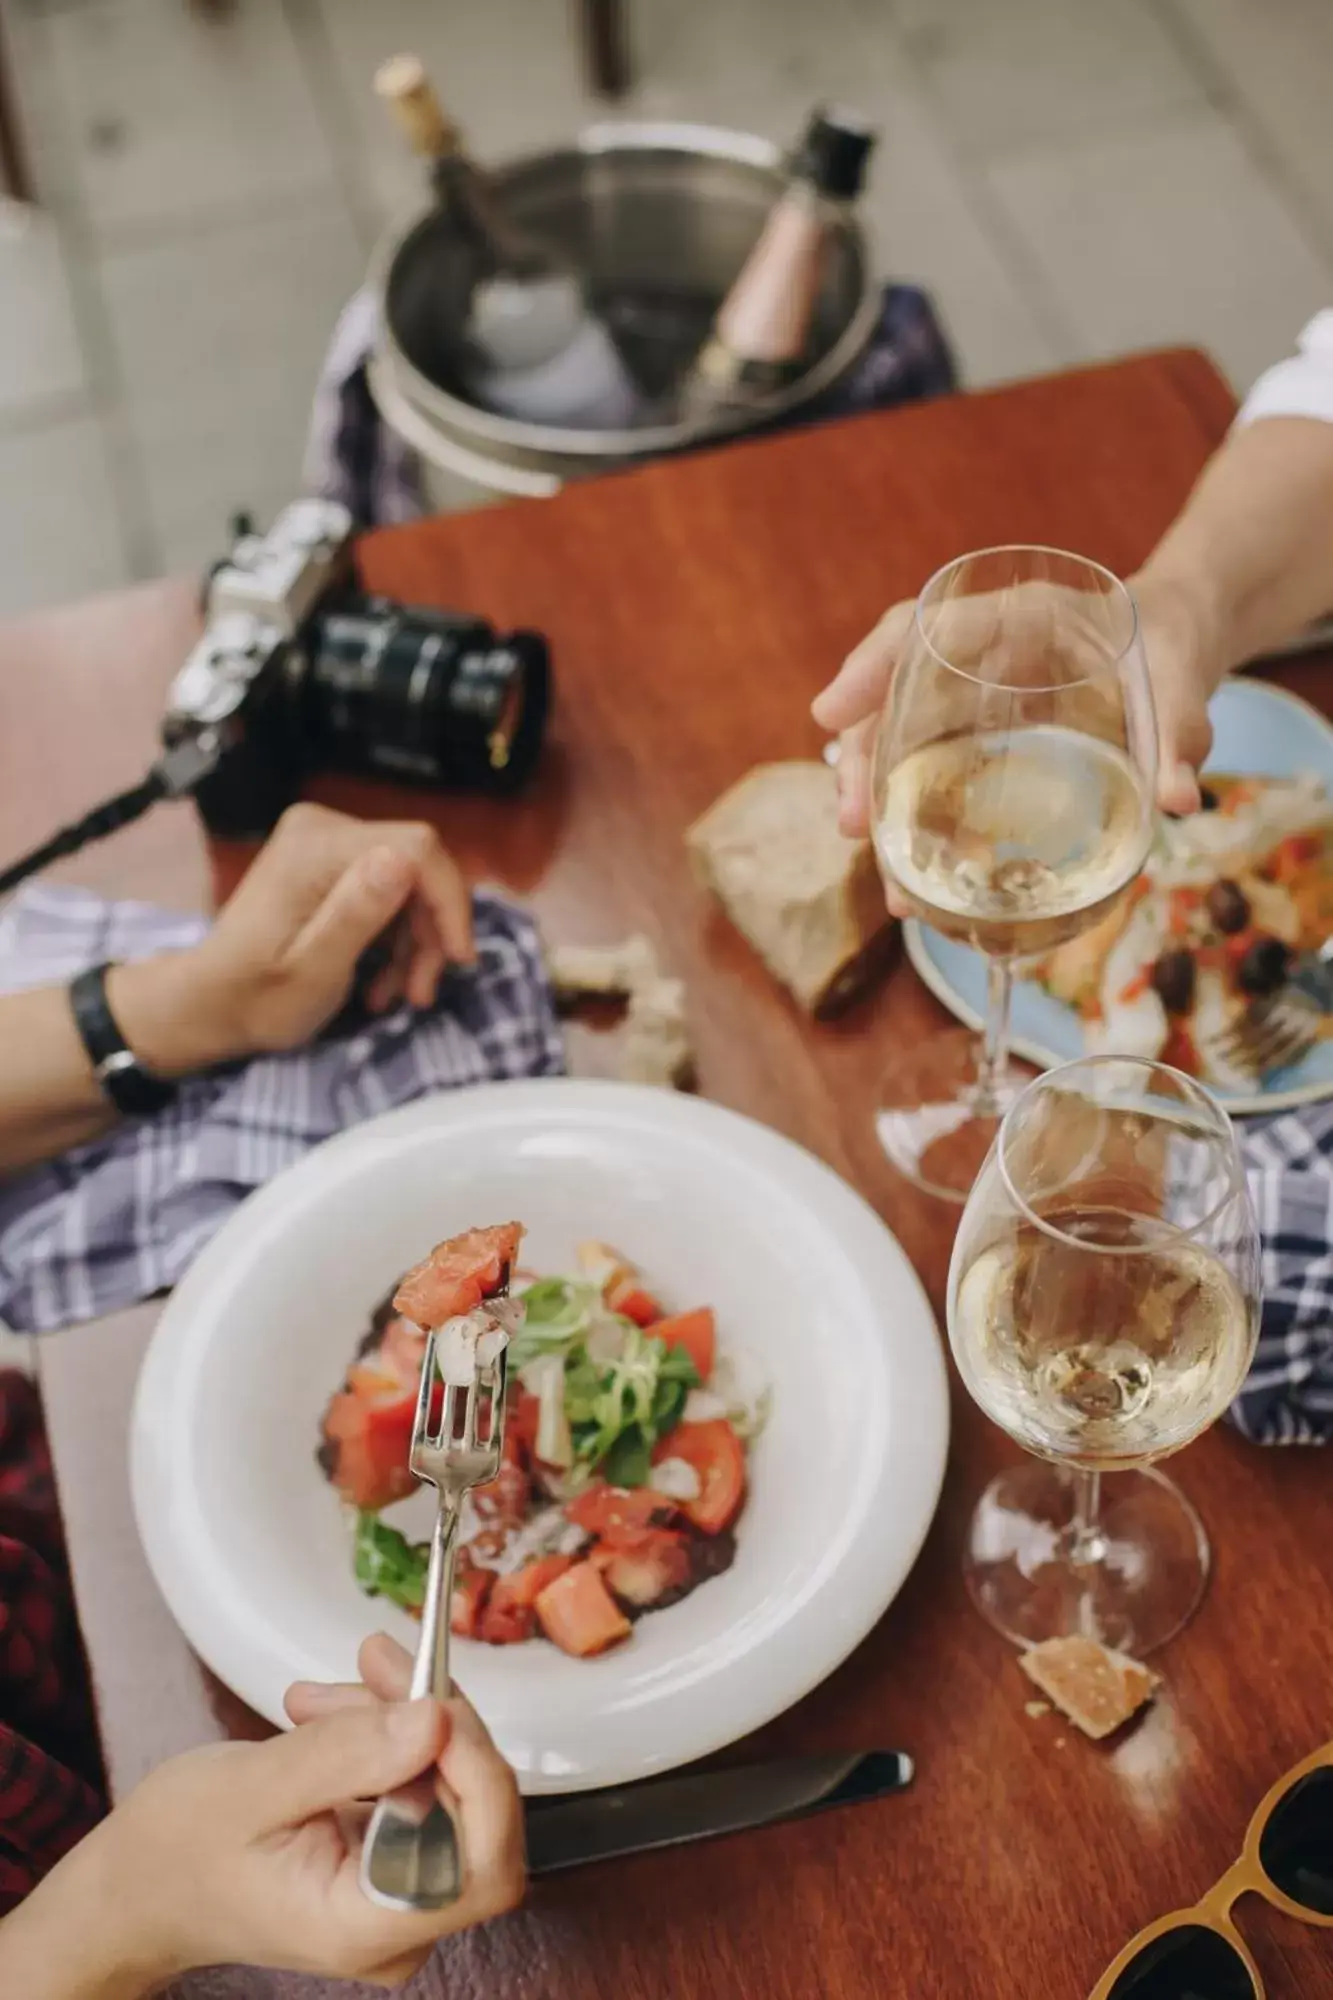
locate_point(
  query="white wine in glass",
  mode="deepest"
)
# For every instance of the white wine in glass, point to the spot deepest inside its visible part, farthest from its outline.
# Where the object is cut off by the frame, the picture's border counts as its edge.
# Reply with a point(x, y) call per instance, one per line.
point(1013, 843)
point(1013, 780)
point(1103, 1310)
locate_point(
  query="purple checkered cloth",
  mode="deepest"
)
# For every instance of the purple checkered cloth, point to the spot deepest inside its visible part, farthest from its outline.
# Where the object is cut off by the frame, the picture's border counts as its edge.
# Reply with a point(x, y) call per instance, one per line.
point(1288, 1394)
point(353, 456)
point(122, 1218)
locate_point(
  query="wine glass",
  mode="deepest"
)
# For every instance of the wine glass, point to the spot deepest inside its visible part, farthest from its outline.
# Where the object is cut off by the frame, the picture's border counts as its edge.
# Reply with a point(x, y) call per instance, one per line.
point(1012, 806)
point(1103, 1310)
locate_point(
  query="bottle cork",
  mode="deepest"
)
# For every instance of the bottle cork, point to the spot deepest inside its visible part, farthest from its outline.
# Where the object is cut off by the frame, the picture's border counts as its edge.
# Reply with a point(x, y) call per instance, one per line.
point(405, 87)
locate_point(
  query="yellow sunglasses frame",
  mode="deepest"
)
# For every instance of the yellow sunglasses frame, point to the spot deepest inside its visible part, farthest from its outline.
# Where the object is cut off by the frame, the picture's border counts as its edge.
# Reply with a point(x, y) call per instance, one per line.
point(1247, 1875)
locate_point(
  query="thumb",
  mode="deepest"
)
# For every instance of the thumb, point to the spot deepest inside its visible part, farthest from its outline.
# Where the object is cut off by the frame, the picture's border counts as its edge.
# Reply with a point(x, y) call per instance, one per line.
point(366, 897)
point(358, 1753)
point(861, 683)
point(1184, 738)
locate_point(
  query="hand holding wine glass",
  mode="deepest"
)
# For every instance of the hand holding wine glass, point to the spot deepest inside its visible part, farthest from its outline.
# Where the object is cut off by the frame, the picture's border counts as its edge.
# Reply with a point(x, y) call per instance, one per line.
point(1103, 1310)
point(1011, 807)
point(1184, 663)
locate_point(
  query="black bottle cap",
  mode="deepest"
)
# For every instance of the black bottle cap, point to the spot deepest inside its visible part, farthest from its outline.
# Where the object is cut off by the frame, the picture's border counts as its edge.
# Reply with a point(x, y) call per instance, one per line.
point(833, 153)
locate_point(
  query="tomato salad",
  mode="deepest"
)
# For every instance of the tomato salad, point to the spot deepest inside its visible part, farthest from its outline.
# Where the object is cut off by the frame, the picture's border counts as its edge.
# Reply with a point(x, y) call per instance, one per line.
point(624, 1469)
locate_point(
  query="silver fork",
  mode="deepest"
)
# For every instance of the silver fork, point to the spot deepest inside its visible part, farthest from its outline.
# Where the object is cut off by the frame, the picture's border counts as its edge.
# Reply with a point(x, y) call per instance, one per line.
point(1276, 1031)
point(413, 1855)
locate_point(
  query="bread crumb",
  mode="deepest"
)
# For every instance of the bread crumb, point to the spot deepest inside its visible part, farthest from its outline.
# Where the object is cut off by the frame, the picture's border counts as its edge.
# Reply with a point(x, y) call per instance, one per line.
point(1036, 1709)
point(613, 971)
point(657, 1042)
point(1096, 1687)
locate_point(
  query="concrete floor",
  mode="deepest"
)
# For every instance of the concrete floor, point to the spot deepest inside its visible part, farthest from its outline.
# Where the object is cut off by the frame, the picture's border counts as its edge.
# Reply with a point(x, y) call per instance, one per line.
point(1070, 178)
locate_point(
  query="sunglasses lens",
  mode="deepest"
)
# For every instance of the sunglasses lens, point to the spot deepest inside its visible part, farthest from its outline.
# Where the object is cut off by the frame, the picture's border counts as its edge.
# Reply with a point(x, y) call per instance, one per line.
point(1188, 1964)
point(1296, 1851)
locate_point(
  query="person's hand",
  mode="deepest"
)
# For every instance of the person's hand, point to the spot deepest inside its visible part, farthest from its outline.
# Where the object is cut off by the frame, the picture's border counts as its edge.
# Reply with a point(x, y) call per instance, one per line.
point(281, 959)
point(1184, 666)
point(249, 1853)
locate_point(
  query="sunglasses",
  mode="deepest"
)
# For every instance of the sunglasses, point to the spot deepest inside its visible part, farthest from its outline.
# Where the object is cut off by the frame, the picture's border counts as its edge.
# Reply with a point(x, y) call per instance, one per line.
point(1199, 1954)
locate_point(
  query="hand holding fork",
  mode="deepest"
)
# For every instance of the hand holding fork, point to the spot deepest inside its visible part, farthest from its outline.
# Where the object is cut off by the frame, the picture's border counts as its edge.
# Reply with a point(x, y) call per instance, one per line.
point(412, 1858)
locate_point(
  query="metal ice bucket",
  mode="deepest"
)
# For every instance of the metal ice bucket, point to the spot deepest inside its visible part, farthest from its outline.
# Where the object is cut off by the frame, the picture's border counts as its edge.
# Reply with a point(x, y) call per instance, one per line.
point(665, 213)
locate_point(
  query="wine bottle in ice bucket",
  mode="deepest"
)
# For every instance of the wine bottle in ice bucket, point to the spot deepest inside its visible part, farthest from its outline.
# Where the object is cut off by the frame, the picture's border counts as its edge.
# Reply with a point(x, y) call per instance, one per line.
point(530, 347)
point(760, 339)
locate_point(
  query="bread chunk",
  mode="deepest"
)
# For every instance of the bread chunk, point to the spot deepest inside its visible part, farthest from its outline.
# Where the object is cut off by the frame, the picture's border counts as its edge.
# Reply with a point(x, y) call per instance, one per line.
point(809, 900)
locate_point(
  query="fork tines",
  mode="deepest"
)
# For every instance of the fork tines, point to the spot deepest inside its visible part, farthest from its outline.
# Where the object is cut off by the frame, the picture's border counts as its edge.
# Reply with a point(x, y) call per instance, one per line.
point(1271, 1036)
point(454, 1419)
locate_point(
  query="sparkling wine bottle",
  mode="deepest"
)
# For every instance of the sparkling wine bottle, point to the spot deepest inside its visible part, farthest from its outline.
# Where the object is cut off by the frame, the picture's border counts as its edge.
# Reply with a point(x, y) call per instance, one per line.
point(760, 337)
point(530, 346)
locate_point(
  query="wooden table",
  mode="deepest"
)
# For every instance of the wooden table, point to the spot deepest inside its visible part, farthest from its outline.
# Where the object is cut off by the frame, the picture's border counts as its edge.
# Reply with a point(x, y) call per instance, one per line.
point(693, 609)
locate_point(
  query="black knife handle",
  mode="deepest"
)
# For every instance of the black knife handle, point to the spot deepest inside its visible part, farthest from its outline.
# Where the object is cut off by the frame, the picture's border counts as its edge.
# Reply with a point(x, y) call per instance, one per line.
point(671, 1811)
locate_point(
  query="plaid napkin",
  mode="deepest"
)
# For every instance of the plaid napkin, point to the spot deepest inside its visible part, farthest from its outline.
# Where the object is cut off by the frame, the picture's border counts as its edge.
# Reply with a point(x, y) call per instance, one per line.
point(1288, 1393)
point(352, 456)
point(123, 1217)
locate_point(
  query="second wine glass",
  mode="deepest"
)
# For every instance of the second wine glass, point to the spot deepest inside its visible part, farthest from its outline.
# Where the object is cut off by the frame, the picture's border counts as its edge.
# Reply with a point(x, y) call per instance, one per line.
point(1103, 1310)
point(1013, 783)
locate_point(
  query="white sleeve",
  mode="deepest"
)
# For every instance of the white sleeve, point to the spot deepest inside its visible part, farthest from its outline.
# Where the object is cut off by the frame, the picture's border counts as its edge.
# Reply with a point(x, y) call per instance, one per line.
point(1301, 386)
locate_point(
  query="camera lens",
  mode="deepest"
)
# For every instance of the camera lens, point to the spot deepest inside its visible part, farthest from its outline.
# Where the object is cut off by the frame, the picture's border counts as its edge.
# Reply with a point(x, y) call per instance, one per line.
point(423, 697)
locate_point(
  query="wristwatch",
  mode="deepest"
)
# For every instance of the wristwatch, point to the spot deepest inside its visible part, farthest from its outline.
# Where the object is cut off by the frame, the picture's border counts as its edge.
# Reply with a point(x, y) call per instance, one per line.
point(133, 1090)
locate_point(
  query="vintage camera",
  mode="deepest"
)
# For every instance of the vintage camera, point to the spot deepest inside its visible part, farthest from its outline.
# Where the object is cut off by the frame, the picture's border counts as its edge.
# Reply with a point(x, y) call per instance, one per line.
point(299, 671)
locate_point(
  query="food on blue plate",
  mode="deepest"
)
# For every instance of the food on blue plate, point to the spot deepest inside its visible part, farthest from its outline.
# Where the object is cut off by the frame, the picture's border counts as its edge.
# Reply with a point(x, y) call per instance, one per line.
point(1227, 897)
point(625, 1449)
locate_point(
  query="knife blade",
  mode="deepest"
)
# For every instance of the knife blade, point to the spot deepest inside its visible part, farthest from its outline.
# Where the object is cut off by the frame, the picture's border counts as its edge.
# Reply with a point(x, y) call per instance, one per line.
point(667, 1812)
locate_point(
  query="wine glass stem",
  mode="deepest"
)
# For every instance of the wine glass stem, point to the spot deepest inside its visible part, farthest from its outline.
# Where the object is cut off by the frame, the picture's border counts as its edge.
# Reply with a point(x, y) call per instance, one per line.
point(1086, 1531)
point(994, 1057)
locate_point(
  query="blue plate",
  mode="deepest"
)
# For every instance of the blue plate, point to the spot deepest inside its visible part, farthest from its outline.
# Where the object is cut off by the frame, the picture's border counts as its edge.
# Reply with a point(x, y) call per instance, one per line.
point(1258, 731)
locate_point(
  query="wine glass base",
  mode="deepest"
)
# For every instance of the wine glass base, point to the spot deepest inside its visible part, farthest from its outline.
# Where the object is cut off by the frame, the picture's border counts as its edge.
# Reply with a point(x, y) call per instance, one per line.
point(928, 1120)
point(1149, 1572)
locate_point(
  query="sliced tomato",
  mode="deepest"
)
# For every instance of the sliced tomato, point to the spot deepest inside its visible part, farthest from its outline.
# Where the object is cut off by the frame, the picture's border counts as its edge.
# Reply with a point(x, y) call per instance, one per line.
point(718, 1456)
point(1293, 855)
point(372, 1436)
point(521, 1420)
point(506, 1498)
point(1179, 1051)
point(628, 1296)
point(579, 1614)
point(371, 1382)
point(402, 1350)
point(459, 1274)
point(509, 1615)
point(1236, 946)
point(649, 1567)
point(608, 1511)
point(696, 1332)
point(472, 1586)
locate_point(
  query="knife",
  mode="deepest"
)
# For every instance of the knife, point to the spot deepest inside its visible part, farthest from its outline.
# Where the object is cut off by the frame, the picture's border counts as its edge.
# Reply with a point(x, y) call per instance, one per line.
point(667, 1812)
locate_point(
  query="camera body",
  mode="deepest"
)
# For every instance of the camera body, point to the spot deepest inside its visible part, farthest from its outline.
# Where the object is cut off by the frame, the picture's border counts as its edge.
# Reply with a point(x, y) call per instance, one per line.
point(299, 671)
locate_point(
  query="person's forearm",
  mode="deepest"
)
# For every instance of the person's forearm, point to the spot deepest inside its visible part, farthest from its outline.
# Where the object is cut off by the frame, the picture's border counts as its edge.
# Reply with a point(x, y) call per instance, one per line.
point(73, 1940)
point(1252, 548)
point(50, 1099)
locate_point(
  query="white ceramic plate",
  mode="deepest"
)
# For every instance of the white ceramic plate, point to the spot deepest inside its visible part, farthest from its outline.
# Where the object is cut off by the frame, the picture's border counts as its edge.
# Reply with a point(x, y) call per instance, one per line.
point(1258, 731)
point(249, 1545)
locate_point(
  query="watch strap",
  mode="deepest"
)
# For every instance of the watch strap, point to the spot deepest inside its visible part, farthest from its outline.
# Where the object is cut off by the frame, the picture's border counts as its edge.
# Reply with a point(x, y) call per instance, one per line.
point(133, 1090)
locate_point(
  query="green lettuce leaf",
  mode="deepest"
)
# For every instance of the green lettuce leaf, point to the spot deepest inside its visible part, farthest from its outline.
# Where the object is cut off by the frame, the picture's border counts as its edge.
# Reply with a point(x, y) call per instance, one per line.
point(388, 1565)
